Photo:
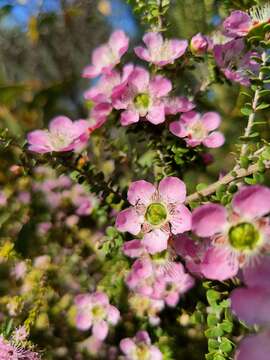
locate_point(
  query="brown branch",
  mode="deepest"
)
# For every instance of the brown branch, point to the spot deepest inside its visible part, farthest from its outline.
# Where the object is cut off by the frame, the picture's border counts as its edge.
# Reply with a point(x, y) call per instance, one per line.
point(227, 179)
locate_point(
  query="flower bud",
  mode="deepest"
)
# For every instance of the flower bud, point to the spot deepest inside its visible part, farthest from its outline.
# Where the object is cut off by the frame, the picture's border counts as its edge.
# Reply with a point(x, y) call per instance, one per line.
point(199, 44)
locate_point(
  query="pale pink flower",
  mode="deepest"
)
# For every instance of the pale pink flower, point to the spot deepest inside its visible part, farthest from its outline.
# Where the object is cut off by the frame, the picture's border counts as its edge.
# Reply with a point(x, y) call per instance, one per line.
point(141, 97)
point(108, 55)
point(159, 51)
point(196, 129)
point(94, 311)
point(155, 212)
point(63, 135)
point(140, 348)
point(242, 231)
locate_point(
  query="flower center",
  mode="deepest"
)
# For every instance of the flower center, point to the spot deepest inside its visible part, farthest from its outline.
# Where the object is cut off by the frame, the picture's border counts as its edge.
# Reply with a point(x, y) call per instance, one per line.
point(142, 352)
point(98, 312)
point(142, 101)
point(197, 130)
point(156, 214)
point(244, 237)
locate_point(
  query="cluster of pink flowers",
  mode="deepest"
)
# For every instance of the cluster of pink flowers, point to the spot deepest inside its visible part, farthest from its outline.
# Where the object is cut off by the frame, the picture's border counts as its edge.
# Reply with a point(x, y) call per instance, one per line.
point(156, 215)
point(134, 93)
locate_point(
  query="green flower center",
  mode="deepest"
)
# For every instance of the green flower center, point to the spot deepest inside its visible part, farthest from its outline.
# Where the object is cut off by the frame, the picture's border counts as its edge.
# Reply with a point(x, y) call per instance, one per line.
point(142, 352)
point(142, 101)
point(244, 237)
point(156, 214)
point(198, 131)
point(98, 312)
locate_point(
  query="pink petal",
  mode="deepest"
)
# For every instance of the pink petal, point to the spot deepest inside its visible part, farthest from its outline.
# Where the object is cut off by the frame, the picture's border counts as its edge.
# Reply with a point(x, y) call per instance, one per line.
point(155, 353)
point(142, 53)
point(139, 78)
point(172, 299)
point(39, 141)
point(254, 347)
point(59, 123)
point(180, 220)
point(129, 117)
point(83, 321)
point(141, 192)
point(211, 120)
point(160, 86)
point(142, 336)
point(252, 201)
point(155, 241)
point(208, 219)
point(214, 140)
point(178, 129)
point(153, 40)
point(133, 248)
point(113, 315)
point(119, 42)
point(128, 220)
point(100, 298)
point(156, 115)
point(127, 346)
point(258, 274)
point(251, 305)
point(219, 264)
point(172, 190)
point(90, 71)
point(178, 47)
point(100, 330)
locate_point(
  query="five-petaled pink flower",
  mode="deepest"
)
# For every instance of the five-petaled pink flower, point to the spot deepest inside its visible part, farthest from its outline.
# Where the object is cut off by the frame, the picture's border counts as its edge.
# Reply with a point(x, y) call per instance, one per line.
point(243, 231)
point(140, 348)
point(197, 129)
point(63, 135)
point(251, 304)
point(156, 212)
point(141, 97)
point(108, 55)
point(94, 310)
point(159, 51)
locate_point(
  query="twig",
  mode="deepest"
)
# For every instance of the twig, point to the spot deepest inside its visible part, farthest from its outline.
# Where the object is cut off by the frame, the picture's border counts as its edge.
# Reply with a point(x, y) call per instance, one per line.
point(232, 176)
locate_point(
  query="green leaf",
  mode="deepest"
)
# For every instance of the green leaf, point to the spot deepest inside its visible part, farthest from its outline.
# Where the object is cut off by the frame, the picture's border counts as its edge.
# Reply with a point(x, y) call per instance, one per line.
point(214, 332)
point(226, 345)
point(263, 106)
point(212, 296)
point(227, 326)
point(246, 111)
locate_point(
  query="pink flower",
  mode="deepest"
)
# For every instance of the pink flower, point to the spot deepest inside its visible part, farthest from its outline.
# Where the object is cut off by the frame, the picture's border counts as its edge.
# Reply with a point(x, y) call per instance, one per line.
point(200, 44)
point(94, 310)
point(242, 231)
point(251, 304)
point(144, 306)
point(235, 61)
point(156, 212)
point(63, 135)
point(9, 351)
point(140, 347)
point(237, 24)
point(160, 52)
point(159, 279)
point(108, 55)
point(141, 96)
point(197, 129)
